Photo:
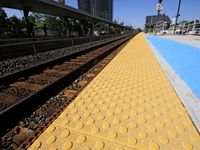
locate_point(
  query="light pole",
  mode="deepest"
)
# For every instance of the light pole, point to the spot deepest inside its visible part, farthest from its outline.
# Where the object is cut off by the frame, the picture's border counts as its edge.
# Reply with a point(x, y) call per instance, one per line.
point(160, 1)
point(177, 15)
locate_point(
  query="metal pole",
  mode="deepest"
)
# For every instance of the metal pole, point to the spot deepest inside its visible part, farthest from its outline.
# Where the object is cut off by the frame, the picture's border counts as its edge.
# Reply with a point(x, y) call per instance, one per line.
point(160, 1)
point(178, 12)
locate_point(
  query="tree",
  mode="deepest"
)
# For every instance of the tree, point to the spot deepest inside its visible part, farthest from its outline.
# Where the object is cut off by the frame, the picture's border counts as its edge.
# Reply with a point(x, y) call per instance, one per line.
point(122, 23)
point(102, 15)
point(139, 30)
point(3, 16)
point(115, 21)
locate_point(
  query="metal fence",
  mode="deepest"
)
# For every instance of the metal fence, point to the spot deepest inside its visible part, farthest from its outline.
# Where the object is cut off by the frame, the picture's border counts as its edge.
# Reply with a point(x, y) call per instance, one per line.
point(21, 48)
point(186, 28)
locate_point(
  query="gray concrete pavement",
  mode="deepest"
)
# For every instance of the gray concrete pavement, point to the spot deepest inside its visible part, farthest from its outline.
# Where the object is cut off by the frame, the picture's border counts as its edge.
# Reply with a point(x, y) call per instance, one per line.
point(192, 40)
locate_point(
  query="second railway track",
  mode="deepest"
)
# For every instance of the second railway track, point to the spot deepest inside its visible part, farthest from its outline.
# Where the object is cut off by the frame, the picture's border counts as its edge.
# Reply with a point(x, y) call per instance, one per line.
point(29, 97)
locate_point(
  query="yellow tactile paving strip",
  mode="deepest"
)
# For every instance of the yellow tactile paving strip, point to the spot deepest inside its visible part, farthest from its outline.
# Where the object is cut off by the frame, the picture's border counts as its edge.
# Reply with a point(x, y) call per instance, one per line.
point(130, 105)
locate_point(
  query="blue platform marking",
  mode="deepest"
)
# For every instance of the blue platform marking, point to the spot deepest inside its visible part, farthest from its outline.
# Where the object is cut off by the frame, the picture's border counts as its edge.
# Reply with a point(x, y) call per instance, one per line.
point(183, 58)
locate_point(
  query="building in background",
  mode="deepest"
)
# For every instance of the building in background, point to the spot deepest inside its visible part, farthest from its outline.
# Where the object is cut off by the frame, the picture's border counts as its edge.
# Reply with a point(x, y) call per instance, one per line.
point(96, 7)
point(151, 21)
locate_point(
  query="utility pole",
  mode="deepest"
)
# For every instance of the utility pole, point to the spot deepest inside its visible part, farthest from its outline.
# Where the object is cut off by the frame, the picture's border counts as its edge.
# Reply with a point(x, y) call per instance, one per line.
point(178, 12)
point(160, 1)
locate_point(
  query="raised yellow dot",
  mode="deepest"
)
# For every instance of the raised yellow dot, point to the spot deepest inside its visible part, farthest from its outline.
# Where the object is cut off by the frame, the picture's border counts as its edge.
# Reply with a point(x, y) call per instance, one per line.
point(96, 110)
point(67, 145)
point(149, 106)
point(142, 109)
point(83, 108)
point(154, 146)
point(110, 113)
point(148, 98)
point(76, 118)
point(142, 134)
point(51, 140)
point(119, 110)
point(81, 139)
point(142, 120)
point(81, 103)
point(152, 129)
point(79, 126)
point(106, 125)
point(162, 100)
point(101, 117)
point(72, 105)
point(65, 122)
point(156, 103)
point(87, 114)
point(195, 138)
point(164, 109)
point(50, 129)
point(53, 148)
point(116, 121)
point(133, 125)
point(188, 123)
point(113, 135)
point(187, 145)
point(175, 115)
point(167, 119)
point(36, 145)
point(134, 113)
point(134, 103)
point(95, 130)
point(132, 140)
point(123, 130)
point(90, 121)
point(127, 107)
point(89, 100)
point(108, 99)
point(172, 133)
point(121, 101)
point(164, 140)
point(64, 114)
point(65, 134)
point(128, 99)
point(92, 105)
point(74, 111)
point(123, 95)
point(99, 145)
point(105, 107)
point(180, 128)
point(182, 111)
point(141, 101)
point(105, 95)
point(157, 112)
point(160, 124)
point(171, 105)
point(150, 116)
point(113, 104)
point(125, 116)
point(101, 102)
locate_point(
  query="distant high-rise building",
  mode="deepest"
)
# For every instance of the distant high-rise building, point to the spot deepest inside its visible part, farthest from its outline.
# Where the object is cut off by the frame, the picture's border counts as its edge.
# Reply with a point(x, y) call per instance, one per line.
point(96, 7)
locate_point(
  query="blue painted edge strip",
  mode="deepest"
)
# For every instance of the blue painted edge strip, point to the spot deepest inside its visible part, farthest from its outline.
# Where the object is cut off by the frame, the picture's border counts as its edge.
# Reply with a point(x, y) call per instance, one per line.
point(183, 58)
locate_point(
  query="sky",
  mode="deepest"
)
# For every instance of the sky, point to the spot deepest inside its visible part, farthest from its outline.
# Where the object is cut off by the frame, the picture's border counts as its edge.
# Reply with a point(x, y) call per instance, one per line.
point(133, 12)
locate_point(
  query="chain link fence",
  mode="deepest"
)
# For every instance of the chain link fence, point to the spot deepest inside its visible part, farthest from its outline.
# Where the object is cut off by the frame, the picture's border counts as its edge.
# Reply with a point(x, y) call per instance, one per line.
point(34, 46)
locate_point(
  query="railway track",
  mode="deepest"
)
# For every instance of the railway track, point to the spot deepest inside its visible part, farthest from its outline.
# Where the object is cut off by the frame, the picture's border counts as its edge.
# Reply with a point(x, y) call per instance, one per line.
point(29, 97)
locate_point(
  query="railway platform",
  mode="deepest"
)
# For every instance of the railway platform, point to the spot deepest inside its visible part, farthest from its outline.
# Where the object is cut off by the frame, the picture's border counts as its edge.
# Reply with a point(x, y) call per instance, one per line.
point(131, 104)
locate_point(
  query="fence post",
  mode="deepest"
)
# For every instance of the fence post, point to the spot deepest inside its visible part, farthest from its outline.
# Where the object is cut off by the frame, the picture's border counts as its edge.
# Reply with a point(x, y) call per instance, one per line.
point(35, 51)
